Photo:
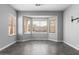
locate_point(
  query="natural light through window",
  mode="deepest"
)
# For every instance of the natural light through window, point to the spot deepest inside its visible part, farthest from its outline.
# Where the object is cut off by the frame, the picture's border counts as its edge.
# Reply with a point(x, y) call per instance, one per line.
point(52, 27)
point(26, 25)
point(12, 25)
point(39, 26)
point(35, 25)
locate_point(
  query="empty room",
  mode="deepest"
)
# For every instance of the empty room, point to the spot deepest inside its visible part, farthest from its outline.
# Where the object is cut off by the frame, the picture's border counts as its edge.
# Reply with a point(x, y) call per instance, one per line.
point(39, 29)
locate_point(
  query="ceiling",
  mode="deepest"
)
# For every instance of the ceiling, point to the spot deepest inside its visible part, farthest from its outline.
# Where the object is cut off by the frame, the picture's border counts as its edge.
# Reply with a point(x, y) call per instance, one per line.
point(42, 7)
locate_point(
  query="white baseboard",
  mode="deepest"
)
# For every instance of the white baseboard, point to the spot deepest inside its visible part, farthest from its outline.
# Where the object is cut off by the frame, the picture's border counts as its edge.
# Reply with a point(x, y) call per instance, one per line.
point(22, 40)
point(71, 45)
point(35, 39)
point(7, 45)
point(55, 40)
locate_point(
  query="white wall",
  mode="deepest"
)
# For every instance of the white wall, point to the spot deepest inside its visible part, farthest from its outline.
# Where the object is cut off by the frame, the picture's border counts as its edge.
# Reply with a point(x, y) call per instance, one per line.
point(71, 30)
point(59, 14)
point(5, 11)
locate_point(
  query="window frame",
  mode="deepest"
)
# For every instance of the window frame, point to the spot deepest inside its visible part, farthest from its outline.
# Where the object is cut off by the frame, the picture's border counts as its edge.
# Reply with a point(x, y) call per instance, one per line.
point(48, 25)
point(23, 26)
point(14, 24)
point(55, 25)
point(39, 22)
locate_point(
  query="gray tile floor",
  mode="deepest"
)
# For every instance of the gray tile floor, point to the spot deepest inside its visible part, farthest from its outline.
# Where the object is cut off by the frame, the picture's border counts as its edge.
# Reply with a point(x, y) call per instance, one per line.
point(39, 48)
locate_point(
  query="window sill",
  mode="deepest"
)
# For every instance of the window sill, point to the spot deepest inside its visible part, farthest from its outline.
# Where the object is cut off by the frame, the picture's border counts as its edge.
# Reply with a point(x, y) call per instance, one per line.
point(39, 32)
point(52, 32)
point(11, 35)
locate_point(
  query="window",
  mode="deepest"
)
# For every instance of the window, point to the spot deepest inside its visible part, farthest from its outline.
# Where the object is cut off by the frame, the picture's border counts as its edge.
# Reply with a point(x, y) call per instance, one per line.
point(12, 25)
point(52, 27)
point(39, 26)
point(26, 24)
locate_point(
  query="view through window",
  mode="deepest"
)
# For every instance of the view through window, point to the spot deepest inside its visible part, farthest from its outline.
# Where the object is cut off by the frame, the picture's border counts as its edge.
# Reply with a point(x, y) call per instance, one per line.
point(12, 25)
point(52, 27)
point(26, 24)
point(39, 25)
